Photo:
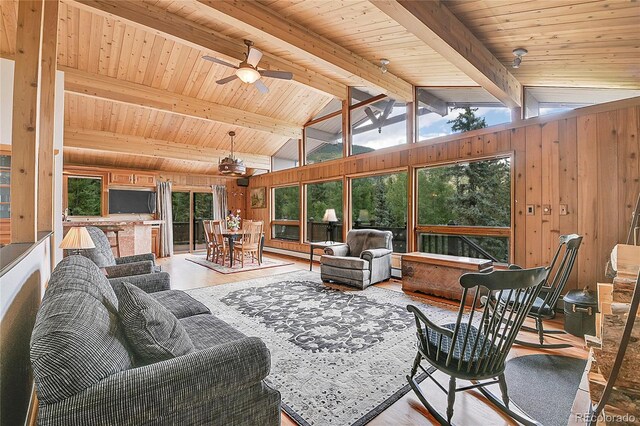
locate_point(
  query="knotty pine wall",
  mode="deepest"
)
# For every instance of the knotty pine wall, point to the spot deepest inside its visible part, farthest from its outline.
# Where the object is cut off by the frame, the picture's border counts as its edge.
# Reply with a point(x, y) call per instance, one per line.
point(586, 158)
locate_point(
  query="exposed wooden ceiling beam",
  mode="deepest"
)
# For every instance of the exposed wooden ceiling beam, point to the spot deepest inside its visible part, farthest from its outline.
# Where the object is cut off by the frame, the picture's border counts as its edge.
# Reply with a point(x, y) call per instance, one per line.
point(432, 102)
point(116, 142)
point(110, 88)
point(438, 27)
point(176, 28)
point(254, 18)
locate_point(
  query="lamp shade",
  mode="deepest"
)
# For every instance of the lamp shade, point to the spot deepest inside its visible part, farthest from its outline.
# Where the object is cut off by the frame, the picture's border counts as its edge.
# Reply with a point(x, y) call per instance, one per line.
point(364, 216)
point(77, 238)
point(330, 216)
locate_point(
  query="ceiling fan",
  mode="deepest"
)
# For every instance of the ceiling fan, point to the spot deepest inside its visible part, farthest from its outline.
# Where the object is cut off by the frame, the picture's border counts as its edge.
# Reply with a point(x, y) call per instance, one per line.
point(248, 71)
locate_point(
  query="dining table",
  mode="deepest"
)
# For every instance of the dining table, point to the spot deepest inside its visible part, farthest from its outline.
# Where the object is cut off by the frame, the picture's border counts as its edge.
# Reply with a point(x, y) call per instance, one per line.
point(232, 236)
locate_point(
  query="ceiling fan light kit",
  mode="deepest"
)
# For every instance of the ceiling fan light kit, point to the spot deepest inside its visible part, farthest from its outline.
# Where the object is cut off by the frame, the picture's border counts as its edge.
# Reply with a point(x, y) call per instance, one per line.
point(247, 71)
point(247, 74)
point(518, 53)
point(230, 165)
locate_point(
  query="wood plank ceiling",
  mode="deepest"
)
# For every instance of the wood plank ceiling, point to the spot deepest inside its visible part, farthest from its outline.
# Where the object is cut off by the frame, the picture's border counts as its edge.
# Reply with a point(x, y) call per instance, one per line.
point(570, 42)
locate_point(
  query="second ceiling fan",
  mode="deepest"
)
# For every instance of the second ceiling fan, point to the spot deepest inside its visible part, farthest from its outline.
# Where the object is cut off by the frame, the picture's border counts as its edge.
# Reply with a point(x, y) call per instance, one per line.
point(248, 71)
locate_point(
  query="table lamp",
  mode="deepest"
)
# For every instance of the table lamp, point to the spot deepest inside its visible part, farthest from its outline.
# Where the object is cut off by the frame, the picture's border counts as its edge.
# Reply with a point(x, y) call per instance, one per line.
point(77, 238)
point(331, 218)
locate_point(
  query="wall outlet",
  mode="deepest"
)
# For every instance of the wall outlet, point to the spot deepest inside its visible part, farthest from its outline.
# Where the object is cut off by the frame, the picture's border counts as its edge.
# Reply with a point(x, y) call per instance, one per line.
point(564, 209)
point(531, 209)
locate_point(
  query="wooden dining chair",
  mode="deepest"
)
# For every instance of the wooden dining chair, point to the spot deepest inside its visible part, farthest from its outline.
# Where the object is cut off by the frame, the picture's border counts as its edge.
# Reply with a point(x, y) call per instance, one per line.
point(208, 238)
point(221, 246)
point(250, 243)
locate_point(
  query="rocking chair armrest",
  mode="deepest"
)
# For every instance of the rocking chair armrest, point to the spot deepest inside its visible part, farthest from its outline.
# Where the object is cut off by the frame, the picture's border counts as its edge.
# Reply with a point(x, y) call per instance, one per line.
point(513, 266)
point(423, 318)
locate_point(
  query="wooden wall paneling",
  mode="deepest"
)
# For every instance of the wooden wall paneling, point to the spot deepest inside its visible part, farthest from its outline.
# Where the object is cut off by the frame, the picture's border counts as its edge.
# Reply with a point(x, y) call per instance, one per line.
point(568, 184)
point(533, 196)
point(587, 190)
point(564, 172)
point(628, 166)
point(47, 107)
point(477, 146)
point(518, 144)
point(26, 111)
point(608, 203)
point(550, 230)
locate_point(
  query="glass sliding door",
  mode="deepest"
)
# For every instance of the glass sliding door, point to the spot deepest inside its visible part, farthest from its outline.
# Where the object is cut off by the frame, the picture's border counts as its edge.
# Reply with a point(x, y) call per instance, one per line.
point(181, 208)
point(202, 210)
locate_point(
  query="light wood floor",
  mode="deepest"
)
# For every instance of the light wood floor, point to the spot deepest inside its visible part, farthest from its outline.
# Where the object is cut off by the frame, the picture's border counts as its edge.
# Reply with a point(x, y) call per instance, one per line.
point(471, 408)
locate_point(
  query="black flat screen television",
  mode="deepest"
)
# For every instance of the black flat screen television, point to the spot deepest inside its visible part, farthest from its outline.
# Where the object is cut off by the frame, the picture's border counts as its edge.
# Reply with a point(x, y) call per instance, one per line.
point(131, 201)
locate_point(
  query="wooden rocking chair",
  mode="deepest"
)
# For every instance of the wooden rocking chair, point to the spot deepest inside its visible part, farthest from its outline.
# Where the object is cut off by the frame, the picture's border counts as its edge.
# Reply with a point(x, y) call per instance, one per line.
point(476, 346)
point(544, 306)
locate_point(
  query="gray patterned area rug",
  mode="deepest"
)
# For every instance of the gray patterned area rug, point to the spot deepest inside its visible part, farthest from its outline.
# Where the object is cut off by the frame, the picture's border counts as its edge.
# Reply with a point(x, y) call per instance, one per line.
point(339, 356)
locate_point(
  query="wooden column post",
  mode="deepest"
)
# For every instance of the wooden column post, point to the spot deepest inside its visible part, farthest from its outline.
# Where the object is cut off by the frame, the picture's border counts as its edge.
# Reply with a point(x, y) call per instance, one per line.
point(47, 113)
point(25, 134)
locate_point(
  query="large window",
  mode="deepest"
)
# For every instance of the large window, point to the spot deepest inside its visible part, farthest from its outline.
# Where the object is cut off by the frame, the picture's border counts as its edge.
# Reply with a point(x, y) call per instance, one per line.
point(321, 197)
point(438, 110)
point(84, 196)
point(286, 157)
point(380, 202)
point(323, 139)
point(465, 209)
point(377, 125)
point(286, 213)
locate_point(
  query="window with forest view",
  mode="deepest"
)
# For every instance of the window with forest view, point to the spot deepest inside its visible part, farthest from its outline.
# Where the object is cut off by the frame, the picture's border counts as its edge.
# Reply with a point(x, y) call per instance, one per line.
point(380, 202)
point(378, 125)
point(323, 140)
point(471, 195)
point(84, 196)
point(286, 213)
point(320, 197)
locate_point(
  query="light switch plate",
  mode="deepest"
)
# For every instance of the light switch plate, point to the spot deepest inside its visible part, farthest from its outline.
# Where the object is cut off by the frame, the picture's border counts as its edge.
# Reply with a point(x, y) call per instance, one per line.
point(531, 209)
point(564, 209)
point(546, 209)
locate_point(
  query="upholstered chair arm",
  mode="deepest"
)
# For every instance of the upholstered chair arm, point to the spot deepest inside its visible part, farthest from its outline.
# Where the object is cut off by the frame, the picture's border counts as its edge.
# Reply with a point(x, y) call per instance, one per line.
point(337, 250)
point(163, 392)
point(149, 283)
point(128, 269)
point(371, 254)
point(136, 258)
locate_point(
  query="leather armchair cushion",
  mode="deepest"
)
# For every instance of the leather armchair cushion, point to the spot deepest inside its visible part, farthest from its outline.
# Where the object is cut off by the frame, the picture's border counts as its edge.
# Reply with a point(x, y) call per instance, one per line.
point(345, 262)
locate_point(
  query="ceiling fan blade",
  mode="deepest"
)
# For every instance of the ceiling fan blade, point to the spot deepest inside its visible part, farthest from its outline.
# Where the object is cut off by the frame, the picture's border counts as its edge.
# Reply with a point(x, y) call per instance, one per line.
point(254, 56)
point(219, 61)
point(261, 87)
point(283, 75)
point(227, 79)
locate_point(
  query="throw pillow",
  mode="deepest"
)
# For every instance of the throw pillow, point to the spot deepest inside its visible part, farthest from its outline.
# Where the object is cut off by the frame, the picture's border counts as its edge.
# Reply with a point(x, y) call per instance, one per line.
point(153, 332)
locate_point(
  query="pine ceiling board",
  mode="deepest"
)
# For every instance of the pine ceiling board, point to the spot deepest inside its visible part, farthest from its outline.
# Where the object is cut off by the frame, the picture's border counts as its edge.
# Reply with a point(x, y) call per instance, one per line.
point(485, 8)
point(141, 57)
point(554, 32)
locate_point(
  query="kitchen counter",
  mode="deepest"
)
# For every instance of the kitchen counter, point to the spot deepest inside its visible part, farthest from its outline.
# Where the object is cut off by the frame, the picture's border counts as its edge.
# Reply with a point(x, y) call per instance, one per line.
point(138, 236)
point(111, 222)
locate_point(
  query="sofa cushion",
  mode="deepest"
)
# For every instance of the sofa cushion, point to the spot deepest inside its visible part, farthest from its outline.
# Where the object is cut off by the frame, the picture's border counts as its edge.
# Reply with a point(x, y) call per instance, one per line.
point(364, 239)
point(77, 340)
point(207, 331)
point(153, 332)
point(101, 255)
point(345, 262)
point(180, 303)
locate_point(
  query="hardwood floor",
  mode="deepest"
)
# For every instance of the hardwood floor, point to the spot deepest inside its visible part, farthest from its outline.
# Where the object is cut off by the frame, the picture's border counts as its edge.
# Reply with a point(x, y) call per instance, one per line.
point(471, 408)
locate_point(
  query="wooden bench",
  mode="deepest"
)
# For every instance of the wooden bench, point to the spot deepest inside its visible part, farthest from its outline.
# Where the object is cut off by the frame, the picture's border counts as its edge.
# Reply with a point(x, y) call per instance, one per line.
point(438, 274)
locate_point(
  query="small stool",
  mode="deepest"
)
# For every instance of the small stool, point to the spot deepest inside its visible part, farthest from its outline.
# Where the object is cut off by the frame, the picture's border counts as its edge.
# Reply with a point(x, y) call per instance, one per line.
point(115, 230)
